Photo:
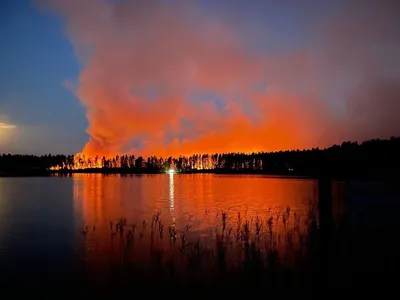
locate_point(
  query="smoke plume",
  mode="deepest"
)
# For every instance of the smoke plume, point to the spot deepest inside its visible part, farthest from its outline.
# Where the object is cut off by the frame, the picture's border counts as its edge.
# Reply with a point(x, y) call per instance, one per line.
point(165, 78)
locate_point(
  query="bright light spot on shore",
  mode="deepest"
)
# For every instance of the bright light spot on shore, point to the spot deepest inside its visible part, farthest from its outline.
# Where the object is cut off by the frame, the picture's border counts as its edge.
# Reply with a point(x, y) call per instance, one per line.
point(171, 171)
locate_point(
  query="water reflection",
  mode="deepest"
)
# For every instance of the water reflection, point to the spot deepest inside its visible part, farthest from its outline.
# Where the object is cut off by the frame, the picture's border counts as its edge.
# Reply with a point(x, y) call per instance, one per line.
point(88, 198)
point(191, 204)
point(3, 217)
point(196, 199)
point(36, 226)
point(171, 196)
point(39, 226)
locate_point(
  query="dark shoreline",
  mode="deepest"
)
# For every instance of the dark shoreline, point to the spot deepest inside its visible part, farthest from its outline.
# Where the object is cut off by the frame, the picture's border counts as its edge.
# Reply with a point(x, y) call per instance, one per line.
point(372, 160)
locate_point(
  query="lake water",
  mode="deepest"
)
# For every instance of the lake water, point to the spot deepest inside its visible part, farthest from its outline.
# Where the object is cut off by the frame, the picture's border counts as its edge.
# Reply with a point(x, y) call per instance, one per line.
point(49, 223)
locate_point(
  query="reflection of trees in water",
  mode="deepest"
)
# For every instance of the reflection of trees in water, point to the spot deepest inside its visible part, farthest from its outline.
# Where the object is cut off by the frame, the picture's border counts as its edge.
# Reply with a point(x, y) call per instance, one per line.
point(88, 195)
point(194, 203)
point(100, 199)
point(261, 242)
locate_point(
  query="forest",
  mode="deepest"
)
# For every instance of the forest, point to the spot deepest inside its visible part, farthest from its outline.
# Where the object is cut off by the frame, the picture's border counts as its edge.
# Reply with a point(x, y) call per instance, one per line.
point(372, 159)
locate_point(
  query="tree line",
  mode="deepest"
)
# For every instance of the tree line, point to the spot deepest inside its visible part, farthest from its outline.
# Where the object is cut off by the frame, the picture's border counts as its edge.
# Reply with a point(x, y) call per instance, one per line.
point(369, 159)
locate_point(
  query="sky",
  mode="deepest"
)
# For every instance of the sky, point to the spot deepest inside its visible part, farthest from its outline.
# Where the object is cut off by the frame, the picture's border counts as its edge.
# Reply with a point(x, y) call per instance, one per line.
point(171, 77)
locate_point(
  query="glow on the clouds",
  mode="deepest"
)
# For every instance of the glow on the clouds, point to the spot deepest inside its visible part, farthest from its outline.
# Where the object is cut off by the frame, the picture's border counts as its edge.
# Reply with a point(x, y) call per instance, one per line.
point(142, 61)
point(7, 126)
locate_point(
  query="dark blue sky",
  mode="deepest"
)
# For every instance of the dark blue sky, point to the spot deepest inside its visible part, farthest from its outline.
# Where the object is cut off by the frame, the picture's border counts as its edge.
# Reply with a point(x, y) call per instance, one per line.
point(35, 60)
point(323, 50)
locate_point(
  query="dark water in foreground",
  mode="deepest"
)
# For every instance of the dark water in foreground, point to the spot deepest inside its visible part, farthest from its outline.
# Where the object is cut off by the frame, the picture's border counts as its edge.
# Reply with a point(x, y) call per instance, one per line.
point(42, 219)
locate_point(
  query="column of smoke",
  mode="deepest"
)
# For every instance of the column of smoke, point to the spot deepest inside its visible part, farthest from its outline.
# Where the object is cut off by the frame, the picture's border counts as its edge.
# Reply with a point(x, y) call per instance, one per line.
point(144, 63)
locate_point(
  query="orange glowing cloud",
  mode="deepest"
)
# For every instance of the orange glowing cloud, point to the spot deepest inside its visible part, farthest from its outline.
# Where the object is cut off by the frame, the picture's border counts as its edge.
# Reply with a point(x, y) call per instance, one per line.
point(144, 60)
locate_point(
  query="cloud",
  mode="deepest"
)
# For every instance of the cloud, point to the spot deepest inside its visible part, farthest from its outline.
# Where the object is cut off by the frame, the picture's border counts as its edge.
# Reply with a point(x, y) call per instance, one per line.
point(6, 126)
point(143, 60)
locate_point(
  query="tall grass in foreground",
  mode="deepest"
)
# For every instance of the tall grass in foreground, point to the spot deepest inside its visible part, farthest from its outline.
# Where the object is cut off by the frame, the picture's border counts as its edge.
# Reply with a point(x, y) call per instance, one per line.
point(238, 250)
point(276, 249)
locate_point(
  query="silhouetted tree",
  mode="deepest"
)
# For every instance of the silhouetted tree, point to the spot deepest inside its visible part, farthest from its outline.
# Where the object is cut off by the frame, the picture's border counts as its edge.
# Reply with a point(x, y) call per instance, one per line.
point(370, 159)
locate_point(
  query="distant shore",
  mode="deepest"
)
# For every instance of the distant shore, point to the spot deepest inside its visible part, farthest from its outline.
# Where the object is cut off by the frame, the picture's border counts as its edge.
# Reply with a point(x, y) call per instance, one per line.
point(150, 172)
point(138, 172)
point(373, 160)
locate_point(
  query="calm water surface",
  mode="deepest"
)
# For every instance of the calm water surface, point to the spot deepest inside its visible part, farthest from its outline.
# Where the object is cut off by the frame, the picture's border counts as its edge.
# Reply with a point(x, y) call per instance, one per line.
point(41, 219)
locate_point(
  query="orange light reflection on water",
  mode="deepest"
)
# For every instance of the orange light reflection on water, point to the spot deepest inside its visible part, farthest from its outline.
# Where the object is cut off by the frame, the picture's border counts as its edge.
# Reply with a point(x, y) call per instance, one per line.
point(195, 199)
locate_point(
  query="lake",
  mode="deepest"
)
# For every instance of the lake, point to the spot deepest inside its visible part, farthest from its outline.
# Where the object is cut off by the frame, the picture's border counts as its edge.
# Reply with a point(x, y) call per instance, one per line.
point(50, 223)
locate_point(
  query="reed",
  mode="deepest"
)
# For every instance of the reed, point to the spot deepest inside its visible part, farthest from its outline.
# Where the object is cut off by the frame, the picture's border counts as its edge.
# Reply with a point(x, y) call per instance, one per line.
point(262, 249)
